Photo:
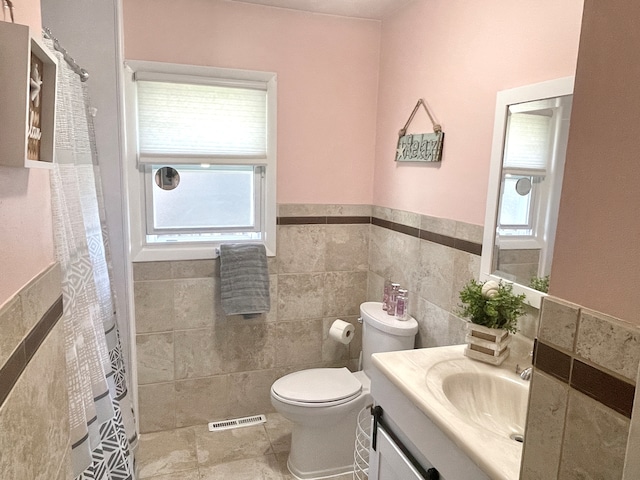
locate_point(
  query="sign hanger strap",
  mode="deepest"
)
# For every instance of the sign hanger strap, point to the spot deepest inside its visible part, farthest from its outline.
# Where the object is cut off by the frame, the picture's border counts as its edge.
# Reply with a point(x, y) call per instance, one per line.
point(436, 126)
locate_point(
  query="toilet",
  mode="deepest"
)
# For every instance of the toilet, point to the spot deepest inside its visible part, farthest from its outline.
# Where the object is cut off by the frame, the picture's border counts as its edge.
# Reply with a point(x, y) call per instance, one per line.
point(323, 403)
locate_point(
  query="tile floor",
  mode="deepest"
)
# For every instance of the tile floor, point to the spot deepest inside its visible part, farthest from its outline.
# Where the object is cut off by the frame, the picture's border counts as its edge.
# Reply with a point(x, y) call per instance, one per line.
point(194, 453)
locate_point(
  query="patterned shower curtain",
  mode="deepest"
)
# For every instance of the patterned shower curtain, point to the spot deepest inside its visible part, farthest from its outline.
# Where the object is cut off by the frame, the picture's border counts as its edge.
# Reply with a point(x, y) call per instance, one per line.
point(103, 432)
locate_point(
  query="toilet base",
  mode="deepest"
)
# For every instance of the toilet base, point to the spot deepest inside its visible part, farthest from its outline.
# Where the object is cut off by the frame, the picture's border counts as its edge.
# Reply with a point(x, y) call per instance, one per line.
point(322, 452)
point(324, 475)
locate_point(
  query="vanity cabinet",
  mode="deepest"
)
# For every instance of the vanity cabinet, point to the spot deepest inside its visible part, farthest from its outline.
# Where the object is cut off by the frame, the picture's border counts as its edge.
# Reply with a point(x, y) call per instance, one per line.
point(404, 426)
point(391, 463)
point(27, 98)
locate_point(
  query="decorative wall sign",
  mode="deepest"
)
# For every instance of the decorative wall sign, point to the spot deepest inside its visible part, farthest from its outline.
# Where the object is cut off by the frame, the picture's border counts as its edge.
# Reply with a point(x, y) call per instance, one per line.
point(27, 98)
point(421, 147)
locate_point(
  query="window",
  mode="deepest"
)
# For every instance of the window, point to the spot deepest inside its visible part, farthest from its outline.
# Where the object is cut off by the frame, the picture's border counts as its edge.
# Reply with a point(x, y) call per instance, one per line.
point(204, 168)
point(527, 153)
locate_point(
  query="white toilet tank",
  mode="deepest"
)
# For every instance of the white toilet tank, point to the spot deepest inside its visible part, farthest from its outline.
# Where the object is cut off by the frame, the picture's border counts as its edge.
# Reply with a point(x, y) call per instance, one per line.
point(384, 333)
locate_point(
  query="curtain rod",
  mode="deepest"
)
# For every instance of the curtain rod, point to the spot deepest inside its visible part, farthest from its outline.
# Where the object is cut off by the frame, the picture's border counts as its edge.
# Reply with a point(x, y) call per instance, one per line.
point(84, 75)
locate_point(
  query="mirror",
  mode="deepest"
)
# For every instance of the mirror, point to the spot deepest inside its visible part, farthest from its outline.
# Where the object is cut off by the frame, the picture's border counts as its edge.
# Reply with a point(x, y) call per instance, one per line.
point(531, 130)
point(167, 178)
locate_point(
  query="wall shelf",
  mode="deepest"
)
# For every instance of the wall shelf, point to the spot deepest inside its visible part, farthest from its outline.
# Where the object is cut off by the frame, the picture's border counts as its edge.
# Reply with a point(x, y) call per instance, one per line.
point(27, 98)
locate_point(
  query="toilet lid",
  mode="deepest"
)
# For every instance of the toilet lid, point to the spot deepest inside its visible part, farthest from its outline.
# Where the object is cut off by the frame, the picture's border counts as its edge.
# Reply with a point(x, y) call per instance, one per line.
point(318, 385)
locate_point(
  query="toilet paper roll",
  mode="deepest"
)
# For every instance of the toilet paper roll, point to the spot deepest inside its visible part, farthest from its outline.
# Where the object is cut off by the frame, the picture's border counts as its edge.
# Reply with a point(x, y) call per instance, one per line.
point(342, 331)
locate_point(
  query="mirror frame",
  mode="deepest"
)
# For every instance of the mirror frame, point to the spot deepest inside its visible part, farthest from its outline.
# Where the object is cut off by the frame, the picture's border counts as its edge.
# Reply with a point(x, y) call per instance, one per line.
point(537, 91)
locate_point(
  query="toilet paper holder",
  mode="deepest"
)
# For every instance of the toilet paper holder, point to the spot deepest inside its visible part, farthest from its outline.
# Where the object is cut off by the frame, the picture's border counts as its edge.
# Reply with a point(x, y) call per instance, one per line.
point(342, 331)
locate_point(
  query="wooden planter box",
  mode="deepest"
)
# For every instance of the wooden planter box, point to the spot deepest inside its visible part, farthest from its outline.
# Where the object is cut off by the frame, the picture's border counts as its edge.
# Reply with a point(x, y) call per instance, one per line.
point(489, 345)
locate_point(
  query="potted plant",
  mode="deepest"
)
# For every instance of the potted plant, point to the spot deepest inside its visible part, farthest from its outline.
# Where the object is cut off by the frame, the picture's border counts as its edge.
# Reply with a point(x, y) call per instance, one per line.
point(540, 283)
point(493, 311)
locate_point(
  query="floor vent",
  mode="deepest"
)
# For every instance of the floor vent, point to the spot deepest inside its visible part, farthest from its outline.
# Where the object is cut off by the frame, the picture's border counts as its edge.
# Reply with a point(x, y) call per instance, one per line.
point(237, 423)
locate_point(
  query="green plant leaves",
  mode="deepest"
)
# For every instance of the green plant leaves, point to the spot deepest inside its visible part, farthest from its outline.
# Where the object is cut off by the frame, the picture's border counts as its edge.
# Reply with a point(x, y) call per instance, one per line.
point(500, 311)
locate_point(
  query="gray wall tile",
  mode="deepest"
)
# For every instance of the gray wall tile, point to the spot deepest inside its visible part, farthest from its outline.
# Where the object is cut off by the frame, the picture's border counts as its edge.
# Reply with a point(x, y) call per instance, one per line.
point(299, 343)
point(40, 294)
point(34, 419)
point(394, 256)
point(543, 437)
point(344, 292)
point(154, 306)
point(303, 210)
point(202, 400)
point(194, 302)
point(347, 248)
point(195, 268)
point(249, 392)
point(249, 347)
point(558, 323)
point(157, 407)
point(595, 440)
point(469, 232)
point(433, 325)
point(155, 357)
point(199, 353)
point(441, 226)
point(300, 296)
point(435, 274)
point(301, 248)
point(151, 271)
point(12, 327)
point(349, 210)
point(609, 342)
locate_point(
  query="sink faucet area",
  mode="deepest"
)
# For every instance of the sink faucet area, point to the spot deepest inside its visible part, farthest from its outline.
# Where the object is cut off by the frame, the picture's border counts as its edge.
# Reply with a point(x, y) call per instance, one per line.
point(481, 408)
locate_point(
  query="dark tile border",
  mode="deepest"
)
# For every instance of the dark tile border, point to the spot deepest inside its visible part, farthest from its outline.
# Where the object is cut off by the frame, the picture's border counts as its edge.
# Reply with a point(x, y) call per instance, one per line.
point(467, 246)
point(552, 361)
point(396, 227)
point(328, 220)
point(457, 243)
point(19, 359)
point(608, 390)
point(438, 238)
point(597, 384)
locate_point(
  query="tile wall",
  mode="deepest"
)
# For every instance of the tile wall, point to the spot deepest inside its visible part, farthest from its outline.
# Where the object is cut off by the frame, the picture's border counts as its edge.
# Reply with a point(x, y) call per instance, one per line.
point(522, 265)
point(34, 418)
point(195, 365)
point(433, 258)
point(582, 393)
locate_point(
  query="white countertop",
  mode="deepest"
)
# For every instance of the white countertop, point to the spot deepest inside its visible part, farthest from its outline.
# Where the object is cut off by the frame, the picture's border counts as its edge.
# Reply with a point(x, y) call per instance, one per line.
point(497, 455)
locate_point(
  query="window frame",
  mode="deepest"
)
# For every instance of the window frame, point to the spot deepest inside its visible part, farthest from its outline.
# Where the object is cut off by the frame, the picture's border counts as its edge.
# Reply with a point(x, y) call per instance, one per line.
point(135, 171)
point(536, 212)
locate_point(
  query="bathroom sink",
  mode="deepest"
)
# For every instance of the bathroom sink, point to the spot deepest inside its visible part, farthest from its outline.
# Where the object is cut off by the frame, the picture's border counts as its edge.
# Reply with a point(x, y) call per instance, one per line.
point(494, 399)
point(482, 408)
point(490, 400)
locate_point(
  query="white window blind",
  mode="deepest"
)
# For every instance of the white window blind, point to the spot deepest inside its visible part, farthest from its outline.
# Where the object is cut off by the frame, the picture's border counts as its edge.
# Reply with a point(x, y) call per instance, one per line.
point(183, 119)
point(528, 137)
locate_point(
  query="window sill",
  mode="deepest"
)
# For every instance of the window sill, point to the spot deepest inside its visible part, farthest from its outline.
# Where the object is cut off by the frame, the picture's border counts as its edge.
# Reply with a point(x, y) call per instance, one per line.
point(175, 252)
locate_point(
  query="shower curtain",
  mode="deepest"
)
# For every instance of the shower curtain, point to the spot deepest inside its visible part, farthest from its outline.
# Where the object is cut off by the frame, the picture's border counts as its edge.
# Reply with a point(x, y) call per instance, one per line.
point(102, 424)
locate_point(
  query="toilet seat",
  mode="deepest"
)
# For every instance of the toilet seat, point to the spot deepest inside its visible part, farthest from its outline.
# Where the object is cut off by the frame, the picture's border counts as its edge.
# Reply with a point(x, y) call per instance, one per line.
point(317, 387)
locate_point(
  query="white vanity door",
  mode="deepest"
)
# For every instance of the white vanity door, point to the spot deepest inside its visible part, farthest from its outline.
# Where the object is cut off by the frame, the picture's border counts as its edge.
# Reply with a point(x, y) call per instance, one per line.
point(389, 463)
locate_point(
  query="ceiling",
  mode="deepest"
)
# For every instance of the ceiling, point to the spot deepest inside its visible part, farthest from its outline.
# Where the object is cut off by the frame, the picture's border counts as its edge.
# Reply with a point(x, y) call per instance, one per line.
point(371, 9)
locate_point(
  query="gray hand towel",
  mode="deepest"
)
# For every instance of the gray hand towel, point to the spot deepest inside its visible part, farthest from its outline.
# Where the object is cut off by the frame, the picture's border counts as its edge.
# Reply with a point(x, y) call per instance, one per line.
point(244, 279)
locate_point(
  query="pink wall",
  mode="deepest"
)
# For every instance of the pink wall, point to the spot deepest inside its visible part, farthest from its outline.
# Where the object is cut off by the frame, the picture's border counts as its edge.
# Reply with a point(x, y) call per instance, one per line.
point(597, 255)
point(26, 241)
point(327, 82)
point(457, 54)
